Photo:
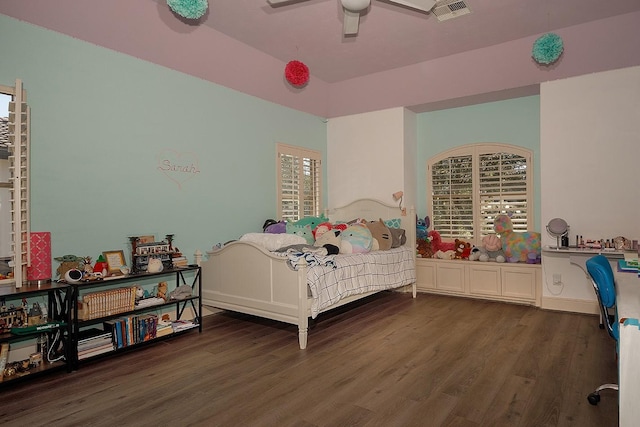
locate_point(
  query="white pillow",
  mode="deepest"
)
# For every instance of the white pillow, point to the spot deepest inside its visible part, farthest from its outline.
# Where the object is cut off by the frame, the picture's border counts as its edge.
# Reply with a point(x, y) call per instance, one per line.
point(273, 242)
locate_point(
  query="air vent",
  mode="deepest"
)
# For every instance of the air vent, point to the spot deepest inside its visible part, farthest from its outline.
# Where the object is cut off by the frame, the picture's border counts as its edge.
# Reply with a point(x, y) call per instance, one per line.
point(449, 9)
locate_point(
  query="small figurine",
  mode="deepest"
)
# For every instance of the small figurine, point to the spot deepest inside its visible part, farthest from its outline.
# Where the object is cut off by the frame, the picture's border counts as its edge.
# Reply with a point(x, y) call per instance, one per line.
point(162, 290)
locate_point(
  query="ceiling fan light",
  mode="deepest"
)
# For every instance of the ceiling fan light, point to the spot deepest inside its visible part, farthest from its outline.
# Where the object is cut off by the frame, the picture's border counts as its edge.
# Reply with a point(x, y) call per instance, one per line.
point(355, 5)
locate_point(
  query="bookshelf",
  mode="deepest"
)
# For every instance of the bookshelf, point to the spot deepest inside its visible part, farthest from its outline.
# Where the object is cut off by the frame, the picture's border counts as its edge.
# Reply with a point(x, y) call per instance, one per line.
point(34, 345)
point(108, 316)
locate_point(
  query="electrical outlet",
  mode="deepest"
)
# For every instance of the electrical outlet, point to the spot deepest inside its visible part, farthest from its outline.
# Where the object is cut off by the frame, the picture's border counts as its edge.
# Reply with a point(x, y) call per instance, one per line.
point(557, 279)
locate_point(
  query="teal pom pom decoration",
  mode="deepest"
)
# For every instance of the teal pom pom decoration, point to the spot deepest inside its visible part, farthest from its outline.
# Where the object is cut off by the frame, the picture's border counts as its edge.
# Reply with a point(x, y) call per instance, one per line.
point(547, 49)
point(190, 9)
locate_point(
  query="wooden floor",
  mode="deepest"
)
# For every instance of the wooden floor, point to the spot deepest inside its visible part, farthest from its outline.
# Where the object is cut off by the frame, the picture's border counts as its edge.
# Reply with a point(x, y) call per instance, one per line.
point(390, 361)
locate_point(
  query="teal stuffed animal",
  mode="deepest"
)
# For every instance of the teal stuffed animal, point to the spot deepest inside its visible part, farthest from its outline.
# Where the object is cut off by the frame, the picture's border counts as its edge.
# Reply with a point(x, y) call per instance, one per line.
point(301, 230)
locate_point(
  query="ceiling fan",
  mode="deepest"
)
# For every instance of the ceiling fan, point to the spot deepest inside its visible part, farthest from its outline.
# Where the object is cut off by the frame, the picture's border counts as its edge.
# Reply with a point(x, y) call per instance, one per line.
point(353, 8)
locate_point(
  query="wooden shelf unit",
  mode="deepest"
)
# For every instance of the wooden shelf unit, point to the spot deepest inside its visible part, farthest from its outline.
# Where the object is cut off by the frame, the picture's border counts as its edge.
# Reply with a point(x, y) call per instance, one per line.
point(194, 301)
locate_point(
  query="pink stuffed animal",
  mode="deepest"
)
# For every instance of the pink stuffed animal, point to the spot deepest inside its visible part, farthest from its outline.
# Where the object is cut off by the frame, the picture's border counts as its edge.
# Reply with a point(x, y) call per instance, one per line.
point(438, 245)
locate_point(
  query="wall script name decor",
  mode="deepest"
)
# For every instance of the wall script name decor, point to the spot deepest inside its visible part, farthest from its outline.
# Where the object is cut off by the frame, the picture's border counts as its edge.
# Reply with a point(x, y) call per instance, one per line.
point(178, 166)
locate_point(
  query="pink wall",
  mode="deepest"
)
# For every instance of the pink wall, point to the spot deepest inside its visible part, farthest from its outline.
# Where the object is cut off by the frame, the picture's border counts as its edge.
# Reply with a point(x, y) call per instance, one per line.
point(607, 44)
point(602, 45)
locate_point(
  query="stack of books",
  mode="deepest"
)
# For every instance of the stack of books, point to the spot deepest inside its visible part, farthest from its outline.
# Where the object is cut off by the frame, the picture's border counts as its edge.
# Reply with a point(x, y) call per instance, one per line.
point(94, 342)
point(182, 325)
point(126, 331)
point(629, 264)
point(179, 261)
point(163, 328)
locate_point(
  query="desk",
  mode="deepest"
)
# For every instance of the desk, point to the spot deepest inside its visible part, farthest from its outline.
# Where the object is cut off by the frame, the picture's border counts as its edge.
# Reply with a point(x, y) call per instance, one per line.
point(628, 307)
point(579, 256)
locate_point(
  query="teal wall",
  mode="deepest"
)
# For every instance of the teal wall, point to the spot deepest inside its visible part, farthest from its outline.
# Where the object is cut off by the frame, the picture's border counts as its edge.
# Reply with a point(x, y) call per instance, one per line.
point(515, 121)
point(103, 122)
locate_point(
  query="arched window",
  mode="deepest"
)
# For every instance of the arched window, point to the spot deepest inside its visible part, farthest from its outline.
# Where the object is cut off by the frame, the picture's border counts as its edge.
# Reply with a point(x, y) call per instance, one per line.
point(469, 186)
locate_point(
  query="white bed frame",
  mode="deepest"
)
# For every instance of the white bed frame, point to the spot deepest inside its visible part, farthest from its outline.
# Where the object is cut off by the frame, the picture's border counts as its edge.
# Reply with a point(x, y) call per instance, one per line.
point(246, 278)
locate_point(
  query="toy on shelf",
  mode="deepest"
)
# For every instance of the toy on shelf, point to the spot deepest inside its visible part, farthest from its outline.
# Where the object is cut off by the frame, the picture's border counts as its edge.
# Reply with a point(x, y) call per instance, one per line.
point(491, 250)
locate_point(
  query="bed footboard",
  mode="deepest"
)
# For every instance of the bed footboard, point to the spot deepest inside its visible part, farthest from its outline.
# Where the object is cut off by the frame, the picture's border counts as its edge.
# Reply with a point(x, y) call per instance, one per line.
point(245, 278)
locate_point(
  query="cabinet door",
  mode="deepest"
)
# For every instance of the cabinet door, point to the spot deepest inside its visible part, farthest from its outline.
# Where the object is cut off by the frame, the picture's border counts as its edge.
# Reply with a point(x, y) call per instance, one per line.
point(426, 274)
point(450, 276)
point(519, 283)
point(484, 279)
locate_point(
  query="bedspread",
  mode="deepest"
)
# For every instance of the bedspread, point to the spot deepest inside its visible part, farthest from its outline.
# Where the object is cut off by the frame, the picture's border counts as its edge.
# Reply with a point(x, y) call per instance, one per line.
point(359, 273)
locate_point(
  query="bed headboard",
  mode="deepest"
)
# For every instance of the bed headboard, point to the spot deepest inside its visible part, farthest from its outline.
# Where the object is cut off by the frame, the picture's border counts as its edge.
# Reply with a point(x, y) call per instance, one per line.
point(372, 209)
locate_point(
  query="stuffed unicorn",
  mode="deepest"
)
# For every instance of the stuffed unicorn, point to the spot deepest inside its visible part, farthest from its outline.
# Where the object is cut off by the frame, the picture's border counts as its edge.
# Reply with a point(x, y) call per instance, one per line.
point(516, 246)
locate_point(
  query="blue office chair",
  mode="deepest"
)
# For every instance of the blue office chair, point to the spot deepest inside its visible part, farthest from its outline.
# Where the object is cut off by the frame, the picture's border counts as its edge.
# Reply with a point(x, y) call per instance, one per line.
point(604, 284)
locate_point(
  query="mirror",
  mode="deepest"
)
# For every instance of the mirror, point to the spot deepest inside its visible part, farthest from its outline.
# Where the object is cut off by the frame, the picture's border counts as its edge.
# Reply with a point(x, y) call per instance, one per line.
point(558, 228)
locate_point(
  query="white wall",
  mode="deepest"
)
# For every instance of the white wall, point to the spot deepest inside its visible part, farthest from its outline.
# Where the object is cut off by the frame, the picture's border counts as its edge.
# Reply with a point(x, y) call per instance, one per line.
point(590, 158)
point(371, 155)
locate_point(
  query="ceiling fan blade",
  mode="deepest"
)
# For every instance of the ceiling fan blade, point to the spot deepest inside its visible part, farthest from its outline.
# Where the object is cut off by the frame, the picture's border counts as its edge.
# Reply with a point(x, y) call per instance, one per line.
point(424, 5)
point(351, 22)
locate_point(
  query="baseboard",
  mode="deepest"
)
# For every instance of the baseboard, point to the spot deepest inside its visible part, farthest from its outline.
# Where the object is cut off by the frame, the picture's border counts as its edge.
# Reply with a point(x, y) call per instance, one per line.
point(572, 305)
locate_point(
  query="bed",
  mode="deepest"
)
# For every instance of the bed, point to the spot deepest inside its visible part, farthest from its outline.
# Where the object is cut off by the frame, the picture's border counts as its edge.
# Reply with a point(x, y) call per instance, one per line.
point(245, 277)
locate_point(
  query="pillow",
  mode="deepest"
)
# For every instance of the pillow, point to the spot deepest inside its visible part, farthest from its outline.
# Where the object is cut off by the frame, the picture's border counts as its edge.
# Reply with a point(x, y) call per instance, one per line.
point(356, 239)
point(381, 235)
point(273, 242)
point(276, 228)
point(331, 240)
point(398, 237)
point(393, 223)
point(301, 230)
point(311, 221)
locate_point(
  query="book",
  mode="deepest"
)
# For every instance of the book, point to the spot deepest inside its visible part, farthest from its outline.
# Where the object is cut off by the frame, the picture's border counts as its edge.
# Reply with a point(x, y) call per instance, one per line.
point(4, 355)
point(624, 265)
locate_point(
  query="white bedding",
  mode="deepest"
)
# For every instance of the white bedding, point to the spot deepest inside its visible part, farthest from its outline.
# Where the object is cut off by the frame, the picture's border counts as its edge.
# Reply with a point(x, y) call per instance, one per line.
point(359, 273)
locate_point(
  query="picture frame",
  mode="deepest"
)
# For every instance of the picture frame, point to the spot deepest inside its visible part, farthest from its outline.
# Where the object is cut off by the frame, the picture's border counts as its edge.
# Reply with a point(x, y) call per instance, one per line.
point(146, 239)
point(114, 260)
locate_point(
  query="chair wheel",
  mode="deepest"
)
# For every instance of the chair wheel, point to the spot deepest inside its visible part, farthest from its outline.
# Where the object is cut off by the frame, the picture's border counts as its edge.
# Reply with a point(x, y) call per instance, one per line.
point(593, 398)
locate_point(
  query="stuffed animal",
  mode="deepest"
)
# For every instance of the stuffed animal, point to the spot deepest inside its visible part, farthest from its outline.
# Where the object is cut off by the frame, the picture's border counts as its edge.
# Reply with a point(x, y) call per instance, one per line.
point(517, 246)
point(381, 234)
point(491, 250)
point(162, 290)
point(322, 228)
point(279, 227)
point(421, 227)
point(451, 254)
point(331, 241)
point(301, 230)
point(463, 249)
point(311, 221)
point(356, 239)
point(438, 245)
point(423, 248)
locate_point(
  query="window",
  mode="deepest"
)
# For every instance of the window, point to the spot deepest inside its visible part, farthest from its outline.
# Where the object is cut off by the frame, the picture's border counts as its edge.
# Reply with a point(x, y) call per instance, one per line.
point(299, 182)
point(472, 184)
point(14, 183)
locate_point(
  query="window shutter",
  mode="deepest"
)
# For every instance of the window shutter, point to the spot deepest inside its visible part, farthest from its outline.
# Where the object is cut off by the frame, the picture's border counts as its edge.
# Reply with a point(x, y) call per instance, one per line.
point(503, 189)
point(452, 195)
point(19, 117)
point(299, 182)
